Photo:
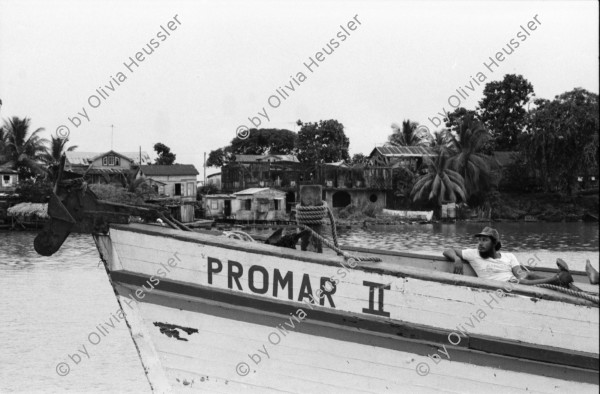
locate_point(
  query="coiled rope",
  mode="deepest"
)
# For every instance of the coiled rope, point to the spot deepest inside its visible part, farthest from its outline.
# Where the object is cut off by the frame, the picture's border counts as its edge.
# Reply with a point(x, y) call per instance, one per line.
point(572, 292)
point(314, 215)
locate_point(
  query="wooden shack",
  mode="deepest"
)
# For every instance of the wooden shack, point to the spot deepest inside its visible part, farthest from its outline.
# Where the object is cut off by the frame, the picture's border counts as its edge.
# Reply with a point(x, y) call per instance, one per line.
point(220, 206)
point(9, 179)
point(260, 204)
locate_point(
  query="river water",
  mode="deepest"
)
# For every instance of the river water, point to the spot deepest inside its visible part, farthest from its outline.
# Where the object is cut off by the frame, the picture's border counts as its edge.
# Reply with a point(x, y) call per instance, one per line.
point(49, 305)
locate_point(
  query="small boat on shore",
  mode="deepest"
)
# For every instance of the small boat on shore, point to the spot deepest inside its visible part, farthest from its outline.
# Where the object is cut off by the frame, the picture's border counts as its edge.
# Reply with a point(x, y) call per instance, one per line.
point(210, 313)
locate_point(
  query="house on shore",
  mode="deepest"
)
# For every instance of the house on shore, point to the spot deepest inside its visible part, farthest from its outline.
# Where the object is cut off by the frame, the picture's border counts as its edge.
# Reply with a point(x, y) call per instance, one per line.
point(410, 157)
point(260, 204)
point(176, 181)
point(105, 167)
point(343, 184)
point(9, 179)
point(220, 206)
point(215, 180)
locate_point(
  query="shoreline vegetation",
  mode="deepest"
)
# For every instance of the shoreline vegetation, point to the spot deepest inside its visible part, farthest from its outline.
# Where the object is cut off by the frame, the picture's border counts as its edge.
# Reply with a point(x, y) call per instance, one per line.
point(503, 206)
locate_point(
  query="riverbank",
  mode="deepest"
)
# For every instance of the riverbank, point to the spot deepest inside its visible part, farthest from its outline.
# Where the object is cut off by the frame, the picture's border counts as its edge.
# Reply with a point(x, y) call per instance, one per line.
point(545, 207)
point(549, 207)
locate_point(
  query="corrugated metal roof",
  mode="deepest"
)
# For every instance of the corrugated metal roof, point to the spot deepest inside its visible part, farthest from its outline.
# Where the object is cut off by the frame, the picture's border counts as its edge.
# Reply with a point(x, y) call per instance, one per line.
point(99, 170)
point(265, 158)
point(219, 196)
point(85, 158)
point(255, 190)
point(164, 170)
point(405, 151)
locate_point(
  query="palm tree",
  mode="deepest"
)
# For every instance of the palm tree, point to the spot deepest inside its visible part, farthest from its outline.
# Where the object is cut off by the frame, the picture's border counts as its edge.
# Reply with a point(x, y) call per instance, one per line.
point(467, 157)
point(410, 134)
point(3, 141)
point(139, 186)
point(440, 183)
point(23, 150)
point(56, 150)
point(440, 141)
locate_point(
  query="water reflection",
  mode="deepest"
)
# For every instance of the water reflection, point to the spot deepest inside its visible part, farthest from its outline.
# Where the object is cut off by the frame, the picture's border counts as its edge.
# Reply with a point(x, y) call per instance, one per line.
point(48, 306)
point(16, 252)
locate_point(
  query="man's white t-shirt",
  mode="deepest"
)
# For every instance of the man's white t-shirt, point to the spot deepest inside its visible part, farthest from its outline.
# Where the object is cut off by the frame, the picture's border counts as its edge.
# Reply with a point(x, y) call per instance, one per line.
point(490, 268)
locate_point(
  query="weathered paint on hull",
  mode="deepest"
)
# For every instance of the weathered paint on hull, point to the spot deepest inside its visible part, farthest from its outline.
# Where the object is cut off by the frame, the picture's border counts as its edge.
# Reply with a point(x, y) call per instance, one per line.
point(350, 343)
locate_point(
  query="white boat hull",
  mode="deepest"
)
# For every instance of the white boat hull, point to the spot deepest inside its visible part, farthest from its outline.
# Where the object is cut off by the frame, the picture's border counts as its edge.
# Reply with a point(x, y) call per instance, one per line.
point(209, 305)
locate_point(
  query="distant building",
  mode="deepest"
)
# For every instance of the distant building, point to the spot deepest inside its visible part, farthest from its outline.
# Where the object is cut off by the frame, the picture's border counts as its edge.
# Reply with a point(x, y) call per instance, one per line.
point(8, 180)
point(260, 171)
point(105, 167)
point(265, 158)
point(220, 205)
point(177, 180)
point(408, 156)
point(260, 204)
point(214, 179)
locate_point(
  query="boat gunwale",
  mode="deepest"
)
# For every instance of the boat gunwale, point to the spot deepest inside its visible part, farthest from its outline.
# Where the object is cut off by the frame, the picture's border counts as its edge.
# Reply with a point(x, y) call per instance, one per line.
point(207, 238)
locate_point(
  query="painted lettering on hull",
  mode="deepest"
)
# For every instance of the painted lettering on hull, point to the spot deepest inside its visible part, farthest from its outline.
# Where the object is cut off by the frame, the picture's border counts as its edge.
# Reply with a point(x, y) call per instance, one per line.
point(258, 280)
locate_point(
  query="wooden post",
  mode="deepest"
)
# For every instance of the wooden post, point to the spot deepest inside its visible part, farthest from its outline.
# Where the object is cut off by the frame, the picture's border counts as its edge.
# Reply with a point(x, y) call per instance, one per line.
point(310, 196)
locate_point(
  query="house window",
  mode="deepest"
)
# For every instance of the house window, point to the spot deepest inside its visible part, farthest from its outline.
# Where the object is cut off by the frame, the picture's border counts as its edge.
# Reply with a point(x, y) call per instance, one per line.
point(111, 161)
point(276, 205)
point(6, 180)
point(214, 204)
point(190, 189)
point(178, 189)
point(248, 205)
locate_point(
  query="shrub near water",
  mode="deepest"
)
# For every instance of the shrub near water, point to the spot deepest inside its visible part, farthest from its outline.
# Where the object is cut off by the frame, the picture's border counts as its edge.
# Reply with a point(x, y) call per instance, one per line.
point(361, 212)
point(116, 194)
point(36, 190)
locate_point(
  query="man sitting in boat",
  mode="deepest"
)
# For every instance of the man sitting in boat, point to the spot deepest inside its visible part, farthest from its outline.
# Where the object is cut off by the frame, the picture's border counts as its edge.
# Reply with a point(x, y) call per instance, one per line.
point(489, 263)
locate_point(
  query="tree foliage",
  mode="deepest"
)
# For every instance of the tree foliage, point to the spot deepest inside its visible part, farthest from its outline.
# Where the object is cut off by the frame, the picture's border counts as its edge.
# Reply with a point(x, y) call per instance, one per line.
point(458, 116)
point(359, 158)
point(56, 150)
point(265, 141)
point(467, 156)
point(322, 142)
point(503, 109)
point(165, 156)
point(440, 183)
point(409, 134)
point(22, 150)
point(37, 189)
point(219, 157)
point(259, 142)
point(441, 141)
point(562, 141)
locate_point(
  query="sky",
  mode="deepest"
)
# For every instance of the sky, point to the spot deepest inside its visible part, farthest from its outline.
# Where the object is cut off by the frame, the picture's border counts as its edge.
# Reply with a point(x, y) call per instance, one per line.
point(67, 63)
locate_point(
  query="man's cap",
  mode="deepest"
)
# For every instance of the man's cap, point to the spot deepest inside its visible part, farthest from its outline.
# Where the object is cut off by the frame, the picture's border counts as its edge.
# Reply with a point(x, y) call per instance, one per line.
point(492, 233)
